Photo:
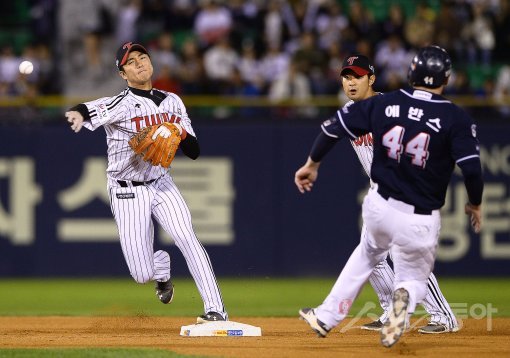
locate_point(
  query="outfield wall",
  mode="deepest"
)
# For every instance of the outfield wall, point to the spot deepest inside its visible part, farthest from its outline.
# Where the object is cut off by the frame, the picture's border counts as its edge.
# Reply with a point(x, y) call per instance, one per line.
point(55, 218)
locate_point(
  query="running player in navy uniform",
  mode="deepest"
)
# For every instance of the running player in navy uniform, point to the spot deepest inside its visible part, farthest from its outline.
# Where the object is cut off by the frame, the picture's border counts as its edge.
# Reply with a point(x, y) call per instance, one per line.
point(358, 76)
point(418, 136)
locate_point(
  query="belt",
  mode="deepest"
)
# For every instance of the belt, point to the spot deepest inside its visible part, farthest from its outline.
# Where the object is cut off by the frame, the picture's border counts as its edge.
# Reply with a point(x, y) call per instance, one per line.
point(125, 184)
point(420, 211)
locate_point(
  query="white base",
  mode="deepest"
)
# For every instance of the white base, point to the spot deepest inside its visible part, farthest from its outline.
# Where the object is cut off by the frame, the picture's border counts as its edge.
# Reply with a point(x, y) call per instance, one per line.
point(221, 329)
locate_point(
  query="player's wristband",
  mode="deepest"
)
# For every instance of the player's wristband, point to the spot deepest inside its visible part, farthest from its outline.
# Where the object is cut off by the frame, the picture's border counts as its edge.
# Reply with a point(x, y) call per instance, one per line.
point(84, 111)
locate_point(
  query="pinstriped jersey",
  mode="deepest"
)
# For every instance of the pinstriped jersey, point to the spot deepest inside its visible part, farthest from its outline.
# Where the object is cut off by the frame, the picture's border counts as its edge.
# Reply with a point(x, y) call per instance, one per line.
point(364, 148)
point(124, 115)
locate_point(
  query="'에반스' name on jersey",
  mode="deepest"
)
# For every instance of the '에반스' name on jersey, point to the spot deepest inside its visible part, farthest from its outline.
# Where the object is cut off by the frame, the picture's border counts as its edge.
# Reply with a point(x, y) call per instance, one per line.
point(414, 132)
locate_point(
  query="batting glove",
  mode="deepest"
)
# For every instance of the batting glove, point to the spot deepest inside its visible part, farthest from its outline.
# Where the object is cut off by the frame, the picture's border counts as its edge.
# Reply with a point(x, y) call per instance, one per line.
point(165, 132)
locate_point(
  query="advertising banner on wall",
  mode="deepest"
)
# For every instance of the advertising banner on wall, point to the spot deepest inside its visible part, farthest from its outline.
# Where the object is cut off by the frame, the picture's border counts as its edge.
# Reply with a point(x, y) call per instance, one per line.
point(55, 217)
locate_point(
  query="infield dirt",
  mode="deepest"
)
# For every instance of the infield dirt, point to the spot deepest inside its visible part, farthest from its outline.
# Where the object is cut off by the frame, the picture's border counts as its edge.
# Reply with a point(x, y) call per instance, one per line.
point(281, 337)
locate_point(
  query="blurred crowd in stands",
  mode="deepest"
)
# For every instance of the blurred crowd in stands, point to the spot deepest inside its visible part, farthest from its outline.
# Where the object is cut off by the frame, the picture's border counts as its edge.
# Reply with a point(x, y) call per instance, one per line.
point(281, 49)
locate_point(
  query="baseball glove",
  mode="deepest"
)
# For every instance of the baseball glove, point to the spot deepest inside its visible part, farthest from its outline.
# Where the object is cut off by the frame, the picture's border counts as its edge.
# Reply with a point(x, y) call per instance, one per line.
point(158, 151)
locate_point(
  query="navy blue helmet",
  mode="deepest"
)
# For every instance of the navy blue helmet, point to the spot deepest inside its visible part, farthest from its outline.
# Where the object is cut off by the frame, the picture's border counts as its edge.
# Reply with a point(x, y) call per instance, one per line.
point(430, 67)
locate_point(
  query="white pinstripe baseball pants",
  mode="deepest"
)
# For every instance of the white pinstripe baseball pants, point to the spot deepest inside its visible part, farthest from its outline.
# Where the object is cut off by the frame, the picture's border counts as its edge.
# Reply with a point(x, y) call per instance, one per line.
point(133, 209)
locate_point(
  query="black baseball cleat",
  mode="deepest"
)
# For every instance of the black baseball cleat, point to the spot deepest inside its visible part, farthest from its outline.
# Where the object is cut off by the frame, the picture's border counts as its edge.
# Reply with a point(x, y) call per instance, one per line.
point(308, 315)
point(165, 291)
point(437, 328)
point(210, 317)
point(373, 326)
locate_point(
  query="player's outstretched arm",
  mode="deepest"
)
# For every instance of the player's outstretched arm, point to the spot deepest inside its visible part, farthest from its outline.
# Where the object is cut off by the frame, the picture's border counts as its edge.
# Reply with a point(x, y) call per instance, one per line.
point(306, 175)
point(75, 119)
point(473, 180)
point(475, 214)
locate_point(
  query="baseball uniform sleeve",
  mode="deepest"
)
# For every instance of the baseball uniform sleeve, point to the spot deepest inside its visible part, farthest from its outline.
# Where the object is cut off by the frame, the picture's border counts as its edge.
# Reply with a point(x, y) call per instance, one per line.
point(103, 111)
point(473, 180)
point(350, 121)
point(321, 146)
point(181, 109)
point(465, 145)
point(189, 145)
point(466, 153)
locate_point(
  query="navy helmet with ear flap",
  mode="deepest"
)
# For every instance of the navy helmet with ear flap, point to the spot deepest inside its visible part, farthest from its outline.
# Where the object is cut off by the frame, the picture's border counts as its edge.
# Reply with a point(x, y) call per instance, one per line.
point(430, 67)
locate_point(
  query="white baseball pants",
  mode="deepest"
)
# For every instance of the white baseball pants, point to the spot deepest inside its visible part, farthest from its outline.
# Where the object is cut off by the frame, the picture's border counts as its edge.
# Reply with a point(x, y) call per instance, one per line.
point(382, 280)
point(393, 226)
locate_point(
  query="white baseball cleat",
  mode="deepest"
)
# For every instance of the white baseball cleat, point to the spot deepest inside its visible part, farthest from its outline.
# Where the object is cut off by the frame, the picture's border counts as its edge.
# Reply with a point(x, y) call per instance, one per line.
point(308, 315)
point(396, 323)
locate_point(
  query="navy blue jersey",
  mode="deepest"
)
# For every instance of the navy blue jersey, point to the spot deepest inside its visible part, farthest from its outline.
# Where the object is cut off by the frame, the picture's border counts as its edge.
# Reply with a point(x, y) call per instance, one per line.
point(418, 137)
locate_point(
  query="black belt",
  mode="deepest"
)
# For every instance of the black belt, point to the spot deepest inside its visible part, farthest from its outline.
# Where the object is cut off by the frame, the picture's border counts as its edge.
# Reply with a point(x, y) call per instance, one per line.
point(382, 192)
point(125, 184)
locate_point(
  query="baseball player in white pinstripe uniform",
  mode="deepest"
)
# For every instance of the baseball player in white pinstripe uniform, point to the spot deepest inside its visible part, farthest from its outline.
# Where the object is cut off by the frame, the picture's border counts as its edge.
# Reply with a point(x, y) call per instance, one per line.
point(140, 191)
point(358, 76)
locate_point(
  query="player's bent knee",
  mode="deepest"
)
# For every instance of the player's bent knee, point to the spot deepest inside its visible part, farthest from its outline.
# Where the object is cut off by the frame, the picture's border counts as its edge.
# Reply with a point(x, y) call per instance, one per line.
point(376, 254)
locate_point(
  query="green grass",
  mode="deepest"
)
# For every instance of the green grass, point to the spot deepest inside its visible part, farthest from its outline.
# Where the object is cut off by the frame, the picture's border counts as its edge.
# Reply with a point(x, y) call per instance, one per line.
point(277, 297)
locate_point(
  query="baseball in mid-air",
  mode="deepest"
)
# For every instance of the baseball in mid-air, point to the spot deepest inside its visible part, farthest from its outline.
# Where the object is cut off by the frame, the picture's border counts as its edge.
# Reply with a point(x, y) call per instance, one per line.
point(26, 67)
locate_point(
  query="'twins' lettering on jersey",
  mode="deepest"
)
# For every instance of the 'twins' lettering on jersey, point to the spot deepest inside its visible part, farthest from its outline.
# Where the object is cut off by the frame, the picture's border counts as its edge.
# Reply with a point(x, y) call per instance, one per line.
point(364, 148)
point(364, 140)
point(154, 119)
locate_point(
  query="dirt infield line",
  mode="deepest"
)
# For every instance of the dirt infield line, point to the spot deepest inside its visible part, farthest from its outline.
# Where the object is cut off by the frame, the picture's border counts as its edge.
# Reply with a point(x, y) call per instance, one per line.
point(281, 337)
